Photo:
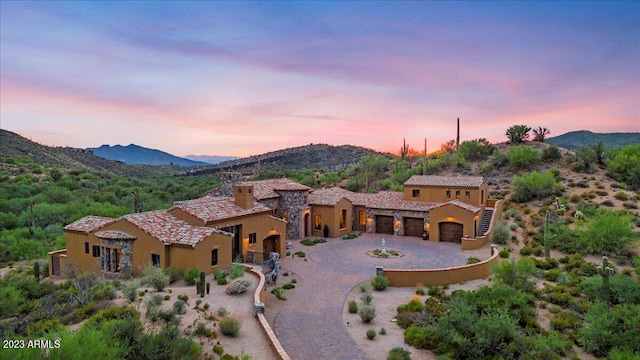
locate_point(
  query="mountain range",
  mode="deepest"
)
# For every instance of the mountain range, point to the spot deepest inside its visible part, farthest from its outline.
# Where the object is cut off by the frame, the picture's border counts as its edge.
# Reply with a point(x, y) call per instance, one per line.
point(134, 154)
point(576, 139)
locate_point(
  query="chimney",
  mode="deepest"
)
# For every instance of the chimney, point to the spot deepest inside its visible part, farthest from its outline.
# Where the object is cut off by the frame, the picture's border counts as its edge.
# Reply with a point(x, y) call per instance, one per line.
point(243, 196)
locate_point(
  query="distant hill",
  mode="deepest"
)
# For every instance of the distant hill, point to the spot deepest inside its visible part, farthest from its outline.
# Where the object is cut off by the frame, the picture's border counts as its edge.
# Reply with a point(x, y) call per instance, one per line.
point(12, 144)
point(211, 159)
point(133, 154)
point(576, 139)
point(314, 156)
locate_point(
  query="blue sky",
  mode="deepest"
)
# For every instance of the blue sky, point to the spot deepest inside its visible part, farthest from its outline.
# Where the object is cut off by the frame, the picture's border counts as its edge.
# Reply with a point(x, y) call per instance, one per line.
point(243, 78)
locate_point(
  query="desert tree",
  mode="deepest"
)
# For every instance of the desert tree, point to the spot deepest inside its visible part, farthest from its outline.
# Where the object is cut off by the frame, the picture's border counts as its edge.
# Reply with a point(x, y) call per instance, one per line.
point(81, 282)
point(540, 134)
point(518, 133)
point(598, 149)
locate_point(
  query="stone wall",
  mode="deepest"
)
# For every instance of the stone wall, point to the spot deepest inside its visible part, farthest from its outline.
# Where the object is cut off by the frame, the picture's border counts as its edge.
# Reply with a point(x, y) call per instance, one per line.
point(398, 217)
point(126, 251)
point(227, 180)
point(291, 202)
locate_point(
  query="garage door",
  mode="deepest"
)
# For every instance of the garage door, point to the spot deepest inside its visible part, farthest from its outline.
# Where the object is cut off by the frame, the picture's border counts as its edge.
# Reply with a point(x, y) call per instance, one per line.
point(384, 224)
point(413, 227)
point(451, 232)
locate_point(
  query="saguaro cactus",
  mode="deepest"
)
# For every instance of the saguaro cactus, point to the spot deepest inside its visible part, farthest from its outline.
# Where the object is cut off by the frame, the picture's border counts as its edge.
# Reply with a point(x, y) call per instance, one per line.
point(404, 150)
point(547, 245)
point(605, 270)
point(201, 284)
point(458, 135)
point(36, 270)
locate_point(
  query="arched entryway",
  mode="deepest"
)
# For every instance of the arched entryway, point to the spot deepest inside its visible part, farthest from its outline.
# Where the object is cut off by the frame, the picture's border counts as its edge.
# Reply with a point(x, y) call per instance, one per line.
point(269, 245)
point(451, 232)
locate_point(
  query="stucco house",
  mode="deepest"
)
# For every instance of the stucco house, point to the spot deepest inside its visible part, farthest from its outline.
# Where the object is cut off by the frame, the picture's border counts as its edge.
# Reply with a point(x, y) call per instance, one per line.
point(206, 233)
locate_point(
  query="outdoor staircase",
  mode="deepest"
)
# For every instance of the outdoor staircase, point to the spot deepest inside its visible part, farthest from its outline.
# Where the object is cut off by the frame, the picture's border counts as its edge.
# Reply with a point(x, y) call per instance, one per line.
point(486, 221)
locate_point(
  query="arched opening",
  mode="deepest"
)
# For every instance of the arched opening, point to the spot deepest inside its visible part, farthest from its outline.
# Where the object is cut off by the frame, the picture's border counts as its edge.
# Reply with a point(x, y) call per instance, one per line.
point(269, 245)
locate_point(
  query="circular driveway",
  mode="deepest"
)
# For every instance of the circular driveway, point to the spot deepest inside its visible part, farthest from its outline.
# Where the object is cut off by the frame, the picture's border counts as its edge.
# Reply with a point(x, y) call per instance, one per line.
point(309, 326)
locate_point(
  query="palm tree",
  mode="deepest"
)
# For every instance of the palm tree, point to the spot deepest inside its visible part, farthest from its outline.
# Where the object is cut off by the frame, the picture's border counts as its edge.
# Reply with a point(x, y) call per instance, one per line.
point(599, 150)
point(540, 134)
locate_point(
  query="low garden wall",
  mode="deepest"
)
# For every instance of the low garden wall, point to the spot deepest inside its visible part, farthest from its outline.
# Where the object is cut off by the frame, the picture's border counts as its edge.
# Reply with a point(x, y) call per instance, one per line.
point(258, 298)
point(437, 277)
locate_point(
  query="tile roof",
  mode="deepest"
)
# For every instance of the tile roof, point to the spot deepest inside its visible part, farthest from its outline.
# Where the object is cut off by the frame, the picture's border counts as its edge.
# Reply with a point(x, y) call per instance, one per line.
point(89, 223)
point(114, 235)
point(168, 228)
point(210, 208)
point(357, 199)
point(266, 189)
point(435, 180)
point(461, 204)
point(319, 198)
point(393, 200)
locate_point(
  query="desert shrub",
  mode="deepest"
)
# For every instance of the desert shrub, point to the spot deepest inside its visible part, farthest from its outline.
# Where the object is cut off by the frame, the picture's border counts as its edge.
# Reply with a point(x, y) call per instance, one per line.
point(279, 293)
point(218, 349)
point(288, 286)
point(130, 290)
point(472, 260)
point(624, 165)
point(43, 326)
point(518, 133)
point(523, 157)
point(222, 281)
point(201, 329)
point(367, 314)
point(154, 276)
point(238, 287)
point(113, 313)
point(221, 311)
point(383, 331)
point(607, 232)
point(623, 289)
point(621, 195)
point(399, 353)
point(191, 276)
point(608, 328)
point(549, 346)
point(366, 298)
point(504, 253)
point(551, 153)
point(173, 274)
point(300, 254)
point(379, 283)
point(179, 307)
point(184, 298)
point(229, 326)
point(476, 149)
point(420, 290)
point(371, 334)
point(352, 307)
point(534, 185)
point(236, 271)
point(526, 251)
point(516, 274)
point(12, 301)
point(411, 306)
point(500, 234)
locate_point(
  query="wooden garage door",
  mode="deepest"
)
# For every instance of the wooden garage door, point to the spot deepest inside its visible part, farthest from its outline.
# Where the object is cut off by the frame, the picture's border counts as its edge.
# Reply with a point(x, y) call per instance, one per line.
point(384, 224)
point(413, 227)
point(451, 232)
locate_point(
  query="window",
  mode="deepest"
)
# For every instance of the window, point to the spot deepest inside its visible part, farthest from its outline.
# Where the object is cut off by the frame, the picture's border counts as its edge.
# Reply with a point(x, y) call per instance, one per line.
point(363, 217)
point(457, 194)
point(415, 193)
point(274, 212)
point(86, 247)
point(448, 194)
point(96, 251)
point(317, 222)
point(343, 219)
point(252, 238)
point(214, 256)
point(482, 197)
point(155, 260)
point(467, 194)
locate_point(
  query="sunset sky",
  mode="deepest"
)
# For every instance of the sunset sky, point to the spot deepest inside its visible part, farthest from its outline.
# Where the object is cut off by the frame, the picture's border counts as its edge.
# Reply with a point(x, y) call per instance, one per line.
point(244, 78)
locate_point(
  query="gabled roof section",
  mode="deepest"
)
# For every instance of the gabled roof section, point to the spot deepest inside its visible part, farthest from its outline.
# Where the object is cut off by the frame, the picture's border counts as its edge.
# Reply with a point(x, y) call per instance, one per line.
point(326, 198)
point(460, 204)
point(394, 200)
point(267, 189)
point(357, 199)
point(114, 235)
point(449, 181)
point(168, 228)
point(89, 224)
point(215, 208)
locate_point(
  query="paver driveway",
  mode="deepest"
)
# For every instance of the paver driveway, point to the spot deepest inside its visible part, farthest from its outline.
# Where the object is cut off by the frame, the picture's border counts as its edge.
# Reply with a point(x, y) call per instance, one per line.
point(310, 326)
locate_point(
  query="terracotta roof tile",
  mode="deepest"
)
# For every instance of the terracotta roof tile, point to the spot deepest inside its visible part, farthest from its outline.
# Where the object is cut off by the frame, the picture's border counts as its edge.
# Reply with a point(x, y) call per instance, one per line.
point(461, 204)
point(168, 228)
point(392, 200)
point(325, 198)
point(210, 208)
point(114, 235)
point(452, 181)
point(267, 189)
point(89, 223)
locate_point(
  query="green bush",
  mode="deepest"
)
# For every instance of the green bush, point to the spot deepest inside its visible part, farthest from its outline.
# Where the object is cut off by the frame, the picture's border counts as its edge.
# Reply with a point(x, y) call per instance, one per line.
point(411, 306)
point(367, 314)
point(500, 233)
point(607, 232)
point(551, 153)
point(236, 271)
point(371, 334)
point(534, 185)
point(476, 149)
point(229, 326)
point(523, 157)
point(300, 254)
point(191, 276)
point(179, 307)
point(399, 353)
point(154, 276)
point(379, 283)
point(366, 298)
point(608, 328)
point(173, 274)
point(352, 307)
point(279, 293)
point(504, 253)
point(623, 289)
point(624, 165)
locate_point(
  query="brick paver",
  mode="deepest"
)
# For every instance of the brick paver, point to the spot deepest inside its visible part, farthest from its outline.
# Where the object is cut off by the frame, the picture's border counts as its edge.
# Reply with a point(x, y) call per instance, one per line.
point(310, 325)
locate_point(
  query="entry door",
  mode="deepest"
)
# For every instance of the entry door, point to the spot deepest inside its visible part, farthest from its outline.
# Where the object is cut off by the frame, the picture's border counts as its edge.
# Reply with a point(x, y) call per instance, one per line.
point(269, 245)
point(55, 260)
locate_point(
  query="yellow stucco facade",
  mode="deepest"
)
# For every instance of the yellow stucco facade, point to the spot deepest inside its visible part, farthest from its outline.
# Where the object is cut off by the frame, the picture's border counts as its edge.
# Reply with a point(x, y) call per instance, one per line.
point(337, 217)
point(475, 196)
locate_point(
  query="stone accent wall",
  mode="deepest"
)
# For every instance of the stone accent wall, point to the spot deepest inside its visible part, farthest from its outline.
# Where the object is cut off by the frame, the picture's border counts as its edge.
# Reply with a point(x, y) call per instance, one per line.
point(227, 180)
point(126, 251)
point(291, 202)
point(398, 217)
